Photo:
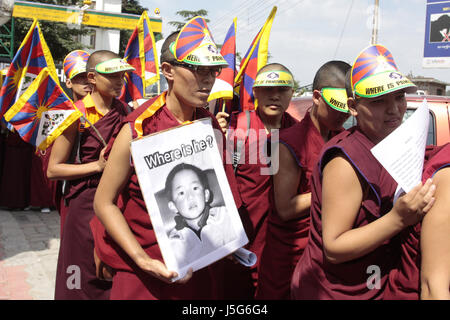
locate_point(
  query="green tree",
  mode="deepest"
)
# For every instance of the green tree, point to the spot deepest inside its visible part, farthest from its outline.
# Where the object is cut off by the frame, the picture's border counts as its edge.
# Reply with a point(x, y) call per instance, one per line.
point(61, 38)
point(238, 58)
point(188, 15)
point(296, 85)
point(132, 7)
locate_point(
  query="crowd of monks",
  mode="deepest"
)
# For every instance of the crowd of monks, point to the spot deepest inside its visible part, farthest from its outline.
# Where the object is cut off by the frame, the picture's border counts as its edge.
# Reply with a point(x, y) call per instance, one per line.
point(316, 223)
point(23, 183)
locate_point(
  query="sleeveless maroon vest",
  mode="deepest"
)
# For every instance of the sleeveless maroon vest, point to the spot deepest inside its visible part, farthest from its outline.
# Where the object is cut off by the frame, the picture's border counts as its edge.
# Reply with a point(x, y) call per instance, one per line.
point(315, 277)
point(286, 240)
point(91, 145)
point(255, 189)
point(404, 281)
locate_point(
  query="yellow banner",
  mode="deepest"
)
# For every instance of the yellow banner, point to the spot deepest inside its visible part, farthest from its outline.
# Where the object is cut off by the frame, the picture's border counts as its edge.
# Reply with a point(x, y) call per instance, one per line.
point(109, 20)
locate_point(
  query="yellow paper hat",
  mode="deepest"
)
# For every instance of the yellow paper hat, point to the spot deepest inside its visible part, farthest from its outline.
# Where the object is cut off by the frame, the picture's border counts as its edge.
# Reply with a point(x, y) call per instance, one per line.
point(113, 65)
point(75, 63)
point(336, 98)
point(274, 79)
point(374, 73)
point(195, 45)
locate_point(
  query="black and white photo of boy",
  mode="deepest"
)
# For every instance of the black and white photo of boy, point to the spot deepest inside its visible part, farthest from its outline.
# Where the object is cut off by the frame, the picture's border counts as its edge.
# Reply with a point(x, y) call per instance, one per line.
point(200, 228)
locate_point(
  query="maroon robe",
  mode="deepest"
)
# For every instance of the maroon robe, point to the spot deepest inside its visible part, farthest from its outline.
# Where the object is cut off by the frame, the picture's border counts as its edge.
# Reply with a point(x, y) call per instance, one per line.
point(55, 187)
point(15, 183)
point(77, 243)
point(315, 277)
point(286, 240)
point(255, 190)
point(2, 151)
point(404, 281)
point(40, 186)
point(129, 281)
point(60, 204)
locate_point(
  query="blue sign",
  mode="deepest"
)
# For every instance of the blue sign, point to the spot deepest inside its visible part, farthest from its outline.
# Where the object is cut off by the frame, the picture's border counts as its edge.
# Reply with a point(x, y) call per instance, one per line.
point(437, 35)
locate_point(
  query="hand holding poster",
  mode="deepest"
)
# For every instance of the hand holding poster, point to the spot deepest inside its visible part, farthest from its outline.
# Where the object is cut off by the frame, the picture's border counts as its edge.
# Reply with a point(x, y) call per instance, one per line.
point(402, 152)
point(185, 188)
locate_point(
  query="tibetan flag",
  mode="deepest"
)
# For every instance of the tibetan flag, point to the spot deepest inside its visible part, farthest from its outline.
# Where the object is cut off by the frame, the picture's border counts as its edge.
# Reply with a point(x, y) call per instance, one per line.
point(32, 56)
point(141, 54)
point(42, 112)
point(254, 59)
point(223, 86)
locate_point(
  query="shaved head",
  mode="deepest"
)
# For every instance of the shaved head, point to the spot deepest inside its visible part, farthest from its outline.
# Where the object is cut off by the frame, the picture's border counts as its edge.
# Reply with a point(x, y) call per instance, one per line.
point(166, 54)
point(98, 57)
point(348, 84)
point(331, 74)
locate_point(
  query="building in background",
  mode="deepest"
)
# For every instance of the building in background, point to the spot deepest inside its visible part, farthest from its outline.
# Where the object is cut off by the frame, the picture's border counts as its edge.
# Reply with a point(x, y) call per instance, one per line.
point(100, 38)
point(103, 17)
point(430, 86)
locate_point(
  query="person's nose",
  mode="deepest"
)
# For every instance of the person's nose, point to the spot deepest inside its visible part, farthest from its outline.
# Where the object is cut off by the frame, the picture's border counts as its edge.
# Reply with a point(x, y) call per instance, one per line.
point(392, 105)
point(208, 78)
point(274, 97)
point(275, 94)
point(189, 195)
point(119, 78)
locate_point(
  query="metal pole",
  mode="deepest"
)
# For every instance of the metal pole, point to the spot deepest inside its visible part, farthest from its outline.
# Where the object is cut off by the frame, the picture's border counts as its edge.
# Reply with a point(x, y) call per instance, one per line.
point(11, 53)
point(375, 23)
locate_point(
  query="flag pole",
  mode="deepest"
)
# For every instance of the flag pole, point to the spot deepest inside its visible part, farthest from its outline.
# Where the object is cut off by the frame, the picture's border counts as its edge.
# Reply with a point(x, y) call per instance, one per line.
point(223, 105)
point(375, 24)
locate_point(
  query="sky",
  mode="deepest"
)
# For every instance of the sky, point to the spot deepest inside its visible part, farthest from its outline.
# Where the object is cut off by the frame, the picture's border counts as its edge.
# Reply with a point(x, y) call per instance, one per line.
point(307, 33)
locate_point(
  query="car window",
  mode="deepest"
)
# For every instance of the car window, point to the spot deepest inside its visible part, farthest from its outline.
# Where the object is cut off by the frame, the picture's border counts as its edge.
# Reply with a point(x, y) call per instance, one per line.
point(431, 138)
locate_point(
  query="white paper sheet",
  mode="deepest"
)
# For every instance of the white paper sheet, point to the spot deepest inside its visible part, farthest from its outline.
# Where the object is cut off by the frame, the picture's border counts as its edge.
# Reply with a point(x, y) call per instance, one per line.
point(402, 152)
point(245, 257)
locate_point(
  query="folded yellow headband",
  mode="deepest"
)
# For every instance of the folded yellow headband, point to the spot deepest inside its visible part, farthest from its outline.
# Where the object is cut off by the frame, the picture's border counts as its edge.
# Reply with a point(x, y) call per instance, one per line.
point(382, 83)
point(204, 55)
point(274, 79)
point(113, 65)
point(336, 98)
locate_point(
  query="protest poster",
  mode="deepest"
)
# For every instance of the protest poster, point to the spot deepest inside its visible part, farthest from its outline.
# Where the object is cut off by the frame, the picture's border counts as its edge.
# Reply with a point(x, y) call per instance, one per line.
point(188, 198)
point(437, 35)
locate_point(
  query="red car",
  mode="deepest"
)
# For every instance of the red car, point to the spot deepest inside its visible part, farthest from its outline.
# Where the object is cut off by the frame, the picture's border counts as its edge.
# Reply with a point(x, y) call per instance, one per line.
point(438, 131)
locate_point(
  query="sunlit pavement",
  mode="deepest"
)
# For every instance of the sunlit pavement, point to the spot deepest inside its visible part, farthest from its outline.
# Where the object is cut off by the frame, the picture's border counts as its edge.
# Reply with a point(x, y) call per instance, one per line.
point(29, 244)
